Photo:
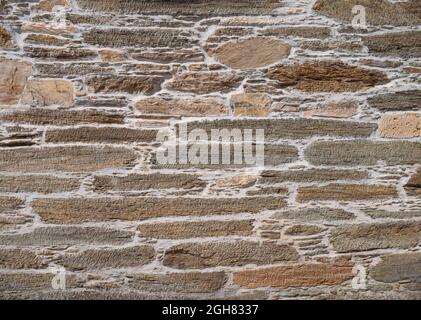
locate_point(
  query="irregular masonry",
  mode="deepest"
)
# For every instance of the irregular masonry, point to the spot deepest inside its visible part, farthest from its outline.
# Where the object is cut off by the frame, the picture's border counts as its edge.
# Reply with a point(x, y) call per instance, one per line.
point(86, 87)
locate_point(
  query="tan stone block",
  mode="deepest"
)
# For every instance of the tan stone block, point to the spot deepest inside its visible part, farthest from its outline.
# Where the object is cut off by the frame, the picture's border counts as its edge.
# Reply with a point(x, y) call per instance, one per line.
point(346, 192)
point(405, 125)
point(203, 83)
point(94, 259)
point(77, 210)
point(326, 76)
point(306, 275)
point(19, 259)
point(234, 253)
point(71, 159)
point(37, 183)
point(182, 107)
point(187, 282)
point(252, 53)
point(13, 78)
point(199, 229)
point(364, 237)
point(48, 92)
point(251, 104)
point(6, 41)
point(343, 109)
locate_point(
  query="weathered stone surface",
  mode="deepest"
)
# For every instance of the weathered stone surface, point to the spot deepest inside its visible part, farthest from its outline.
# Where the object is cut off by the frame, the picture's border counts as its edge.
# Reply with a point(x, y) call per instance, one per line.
point(27, 282)
point(230, 31)
point(138, 37)
point(149, 69)
point(131, 84)
point(401, 214)
point(13, 77)
point(168, 56)
point(298, 32)
point(274, 154)
point(303, 230)
point(398, 267)
point(6, 41)
point(398, 101)
point(332, 45)
point(307, 275)
point(103, 134)
point(405, 125)
point(400, 44)
point(363, 152)
point(275, 129)
point(109, 258)
point(252, 53)
point(48, 40)
point(48, 28)
point(48, 5)
point(199, 229)
point(100, 294)
point(3, 4)
point(148, 181)
point(315, 214)
point(217, 254)
point(19, 259)
point(363, 237)
point(112, 55)
point(11, 221)
point(48, 92)
point(195, 7)
point(188, 282)
point(77, 210)
point(414, 70)
point(379, 12)
point(19, 136)
point(37, 183)
point(381, 63)
point(236, 181)
point(346, 192)
point(182, 107)
point(72, 69)
point(326, 76)
point(68, 53)
point(310, 175)
point(413, 186)
point(67, 236)
point(10, 203)
point(72, 159)
point(251, 104)
point(267, 191)
point(83, 184)
point(203, 83)
point(343, 109)
point(114, 101)
point(62, 117)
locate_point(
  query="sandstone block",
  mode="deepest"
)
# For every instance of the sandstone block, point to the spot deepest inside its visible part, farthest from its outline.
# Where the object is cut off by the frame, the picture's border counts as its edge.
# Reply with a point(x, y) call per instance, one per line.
point(346, 192)
point(307, 275)
point(199, 229)
point(48, 92)
point(217, 254)
point(364, 237)
point(73, 210)
point(363, 152)
point(406, 125)
point(72, 159)
point(252, 53)
point(326, 76)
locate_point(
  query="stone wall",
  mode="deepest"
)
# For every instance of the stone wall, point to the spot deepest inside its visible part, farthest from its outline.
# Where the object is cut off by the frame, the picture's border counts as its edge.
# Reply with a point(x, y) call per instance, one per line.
point(86, 85)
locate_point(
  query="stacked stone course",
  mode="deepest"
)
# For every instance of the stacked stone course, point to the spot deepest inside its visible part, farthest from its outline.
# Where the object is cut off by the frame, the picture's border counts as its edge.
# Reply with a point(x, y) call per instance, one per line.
point(85, 86)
